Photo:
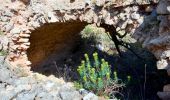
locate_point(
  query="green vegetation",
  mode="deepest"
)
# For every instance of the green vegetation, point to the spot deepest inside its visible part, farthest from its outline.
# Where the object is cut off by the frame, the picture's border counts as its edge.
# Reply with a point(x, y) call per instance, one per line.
point(1, 33)
point(95, 76)
point(3, 53)
point(96, 36)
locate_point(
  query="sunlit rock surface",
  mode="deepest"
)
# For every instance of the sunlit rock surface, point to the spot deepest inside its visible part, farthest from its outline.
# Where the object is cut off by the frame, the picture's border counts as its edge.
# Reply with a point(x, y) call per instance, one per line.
point(21, 19)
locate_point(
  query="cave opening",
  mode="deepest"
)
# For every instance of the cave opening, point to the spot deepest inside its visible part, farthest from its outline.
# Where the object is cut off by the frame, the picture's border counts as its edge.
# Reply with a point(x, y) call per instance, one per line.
point(52, 44)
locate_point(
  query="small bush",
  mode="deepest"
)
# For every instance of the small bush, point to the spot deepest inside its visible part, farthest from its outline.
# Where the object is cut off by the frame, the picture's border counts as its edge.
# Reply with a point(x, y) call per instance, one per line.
point(96, 76)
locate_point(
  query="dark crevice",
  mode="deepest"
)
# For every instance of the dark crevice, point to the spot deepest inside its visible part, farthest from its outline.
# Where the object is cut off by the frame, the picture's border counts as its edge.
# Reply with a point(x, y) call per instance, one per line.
point(53, 43)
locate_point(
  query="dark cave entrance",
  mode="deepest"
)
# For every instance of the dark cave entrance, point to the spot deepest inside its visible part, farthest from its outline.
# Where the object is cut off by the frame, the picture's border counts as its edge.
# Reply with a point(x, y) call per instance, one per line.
point(52, 44)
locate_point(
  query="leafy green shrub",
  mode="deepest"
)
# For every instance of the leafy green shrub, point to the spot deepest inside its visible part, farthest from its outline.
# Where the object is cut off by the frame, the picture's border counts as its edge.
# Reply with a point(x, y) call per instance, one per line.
point(96, 76)
point(96, 36)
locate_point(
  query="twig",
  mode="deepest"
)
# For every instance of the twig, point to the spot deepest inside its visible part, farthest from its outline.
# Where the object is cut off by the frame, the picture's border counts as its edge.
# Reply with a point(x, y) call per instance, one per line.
point(57, 69)
point(144, 87)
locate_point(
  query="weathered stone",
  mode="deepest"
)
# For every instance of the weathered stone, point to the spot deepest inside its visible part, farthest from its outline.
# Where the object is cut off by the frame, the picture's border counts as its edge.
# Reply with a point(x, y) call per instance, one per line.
point(99, 2)
point(135, 8)
point(66, 93)
point(164, 95)
point(2, 58)
point(26, 96)
point(23, 47)
point(165, 54)
point(4, 19)
point(51, 17)
point(166, 88)
point(162, 64)
point(135, 16)
point(9, 26)
point(4, 41)
point(23, 40)
point(15, 30)
point(25, 35)
point(163, 7)
point(90, 96)
point(29, 19)
point(5, 74)
point(28, 63)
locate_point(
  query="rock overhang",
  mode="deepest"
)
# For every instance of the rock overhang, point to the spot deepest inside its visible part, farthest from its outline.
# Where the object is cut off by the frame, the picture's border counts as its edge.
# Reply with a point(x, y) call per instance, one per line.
point(23, 19)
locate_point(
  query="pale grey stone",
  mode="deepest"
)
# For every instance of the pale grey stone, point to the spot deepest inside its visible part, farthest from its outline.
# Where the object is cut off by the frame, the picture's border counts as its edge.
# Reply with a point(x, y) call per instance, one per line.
point(69, 93)
point(135, 8)
point(26, 96)
point(135, 16)
point(99, 2)
point(5, 74)
point(162, 64)
point(66, 95)
point(51, 17)
point(163, 7)
point(4, 19)
point(15, 30)
point(49, 85)
point(45, 96)
point(9, 26)
point(8, 13)
point(90, 96)
point(2, 60)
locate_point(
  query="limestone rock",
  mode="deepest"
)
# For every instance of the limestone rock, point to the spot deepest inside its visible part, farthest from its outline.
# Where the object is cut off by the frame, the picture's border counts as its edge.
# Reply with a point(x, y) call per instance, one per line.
point(166, 88)
point(20, 17)
point(162, 64)
point(67, 93)
point(23, 40)
point(90, 96)
point(164, 95)
point(15, 30)
point(135, 16)
point(25, 35)
point(163, 7)
point(100, 2)
point(51, 17)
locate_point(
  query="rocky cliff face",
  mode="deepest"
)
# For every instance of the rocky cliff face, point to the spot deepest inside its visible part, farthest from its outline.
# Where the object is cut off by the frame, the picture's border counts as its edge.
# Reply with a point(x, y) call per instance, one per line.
point(154, 34)
point(24, 17)
point(29, 26)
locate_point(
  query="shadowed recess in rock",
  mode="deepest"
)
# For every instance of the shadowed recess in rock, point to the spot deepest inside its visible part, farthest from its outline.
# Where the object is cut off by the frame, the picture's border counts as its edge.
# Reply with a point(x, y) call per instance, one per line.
point(53, 42)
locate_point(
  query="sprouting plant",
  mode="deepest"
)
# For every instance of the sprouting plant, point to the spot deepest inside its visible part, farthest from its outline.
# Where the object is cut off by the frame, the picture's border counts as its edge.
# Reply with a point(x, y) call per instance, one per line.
point(95, 75)
point(128, 78)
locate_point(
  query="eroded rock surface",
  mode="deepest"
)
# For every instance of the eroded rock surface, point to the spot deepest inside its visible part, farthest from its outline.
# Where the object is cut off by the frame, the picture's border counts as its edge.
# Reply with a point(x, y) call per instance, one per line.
point(23, 17)
point(19, 84)
point(19, 19)
point(154, 34)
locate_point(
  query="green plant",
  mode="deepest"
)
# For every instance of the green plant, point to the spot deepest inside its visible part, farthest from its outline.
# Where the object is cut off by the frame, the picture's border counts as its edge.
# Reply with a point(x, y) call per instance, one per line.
point(3, 53)
point(95, 76)
point(96, 36)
